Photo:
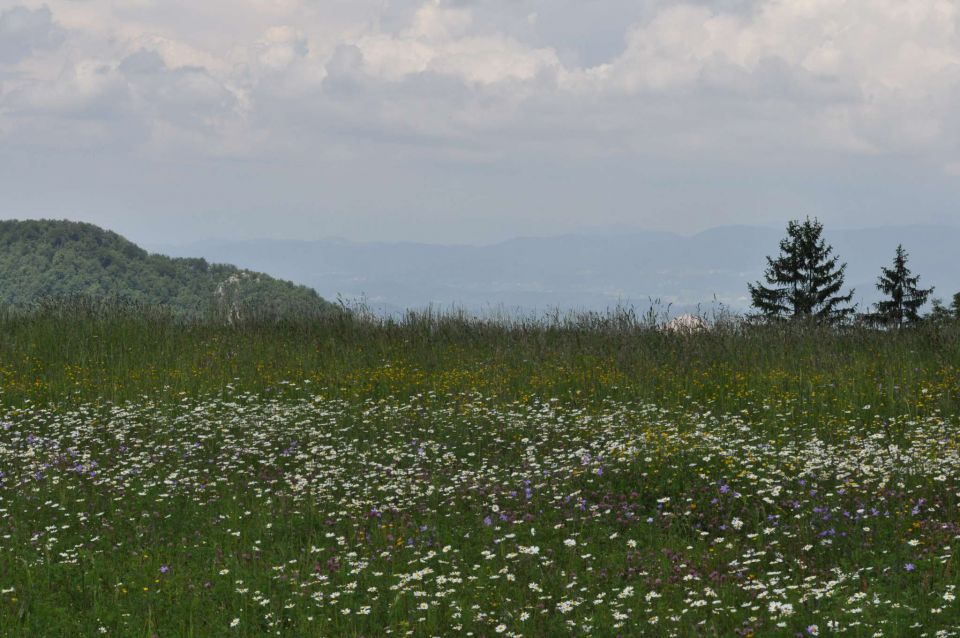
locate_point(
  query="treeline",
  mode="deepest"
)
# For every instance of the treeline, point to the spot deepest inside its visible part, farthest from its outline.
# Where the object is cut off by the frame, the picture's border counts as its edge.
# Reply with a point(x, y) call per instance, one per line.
point(805, 282)
point(69, 267)
point(46, 262)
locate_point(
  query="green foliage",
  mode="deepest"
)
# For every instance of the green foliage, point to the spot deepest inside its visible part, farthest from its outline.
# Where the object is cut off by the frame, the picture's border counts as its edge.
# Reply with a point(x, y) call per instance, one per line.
point(63, 353)
point(60, 259)
point(904, 298)
point(804, 281)
point(941, 314)
point(247, 515)
point(174, 478)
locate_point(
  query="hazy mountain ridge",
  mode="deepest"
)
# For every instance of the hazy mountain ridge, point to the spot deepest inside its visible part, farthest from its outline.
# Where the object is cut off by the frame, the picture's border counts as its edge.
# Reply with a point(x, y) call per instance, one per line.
point(579, 271)
point(41, 259)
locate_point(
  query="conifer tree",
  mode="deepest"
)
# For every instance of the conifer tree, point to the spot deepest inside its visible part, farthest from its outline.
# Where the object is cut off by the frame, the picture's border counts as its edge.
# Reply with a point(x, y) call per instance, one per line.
point(939, 313)
point(805, 280)
point(904, 298)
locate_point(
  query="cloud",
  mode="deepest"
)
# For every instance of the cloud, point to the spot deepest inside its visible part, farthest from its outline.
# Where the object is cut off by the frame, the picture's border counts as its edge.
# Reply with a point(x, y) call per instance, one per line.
point(441, 40)
point(478, 80)
point(23, 31)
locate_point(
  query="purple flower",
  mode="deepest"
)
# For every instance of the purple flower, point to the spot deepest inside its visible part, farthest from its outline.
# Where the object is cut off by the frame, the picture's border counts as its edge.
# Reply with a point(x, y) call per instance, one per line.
point(488, 521)
point(909, 567)
point(164, 569)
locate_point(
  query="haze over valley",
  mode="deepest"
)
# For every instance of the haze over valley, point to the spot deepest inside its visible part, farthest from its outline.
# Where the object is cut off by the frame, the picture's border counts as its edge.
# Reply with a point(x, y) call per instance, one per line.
point(586, 271)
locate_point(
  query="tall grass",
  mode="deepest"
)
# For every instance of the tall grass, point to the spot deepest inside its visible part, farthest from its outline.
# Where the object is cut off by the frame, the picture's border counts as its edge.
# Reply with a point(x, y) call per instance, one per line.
point(442, 474)
point(59, 353)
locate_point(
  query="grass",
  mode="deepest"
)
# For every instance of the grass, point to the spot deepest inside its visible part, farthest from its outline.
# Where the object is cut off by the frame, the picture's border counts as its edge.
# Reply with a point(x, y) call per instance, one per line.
point(117, 355)
point(437, 475)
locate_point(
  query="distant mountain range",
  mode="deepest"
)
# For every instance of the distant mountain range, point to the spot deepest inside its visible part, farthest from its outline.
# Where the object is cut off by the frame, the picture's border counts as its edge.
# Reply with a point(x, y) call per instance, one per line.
point(55, 259)
point(586, 271)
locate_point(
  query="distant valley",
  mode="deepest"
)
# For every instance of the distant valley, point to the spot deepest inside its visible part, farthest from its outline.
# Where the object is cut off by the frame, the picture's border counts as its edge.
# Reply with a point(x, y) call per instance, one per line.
point(584, 271)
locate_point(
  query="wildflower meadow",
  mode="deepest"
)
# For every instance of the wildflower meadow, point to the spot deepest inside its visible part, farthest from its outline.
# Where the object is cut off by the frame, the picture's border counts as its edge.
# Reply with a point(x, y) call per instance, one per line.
point(440, 476)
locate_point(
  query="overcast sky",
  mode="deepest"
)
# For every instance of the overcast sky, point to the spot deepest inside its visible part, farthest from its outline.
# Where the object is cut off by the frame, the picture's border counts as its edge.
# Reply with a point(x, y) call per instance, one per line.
point(477, 120)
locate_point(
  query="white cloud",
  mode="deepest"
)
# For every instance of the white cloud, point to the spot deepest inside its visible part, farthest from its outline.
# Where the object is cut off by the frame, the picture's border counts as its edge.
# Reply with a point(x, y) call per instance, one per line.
point(884, 70)
point(470, 81)
point(23, 31)
point(854, 75)
point(439, 40)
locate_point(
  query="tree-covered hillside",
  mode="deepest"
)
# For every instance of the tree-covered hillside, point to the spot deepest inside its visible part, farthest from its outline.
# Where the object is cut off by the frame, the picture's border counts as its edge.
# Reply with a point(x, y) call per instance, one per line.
point(48, 259)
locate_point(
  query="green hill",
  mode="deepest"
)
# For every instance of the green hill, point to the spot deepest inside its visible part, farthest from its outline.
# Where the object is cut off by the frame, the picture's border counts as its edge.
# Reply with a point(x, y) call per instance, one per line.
point(46, 259)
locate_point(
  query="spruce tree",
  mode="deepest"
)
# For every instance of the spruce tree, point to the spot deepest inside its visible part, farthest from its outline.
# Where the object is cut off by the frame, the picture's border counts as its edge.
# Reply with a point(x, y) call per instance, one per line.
point(904, 298)
point(804, 282)
point(939, 313)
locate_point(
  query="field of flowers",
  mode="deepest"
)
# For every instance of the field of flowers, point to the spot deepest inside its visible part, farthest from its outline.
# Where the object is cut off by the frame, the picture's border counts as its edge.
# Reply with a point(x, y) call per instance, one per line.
point(440, 476)
point(302, 514)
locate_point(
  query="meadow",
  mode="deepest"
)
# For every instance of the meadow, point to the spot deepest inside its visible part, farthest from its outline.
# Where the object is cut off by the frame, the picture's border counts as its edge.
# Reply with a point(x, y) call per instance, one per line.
point(437, 475)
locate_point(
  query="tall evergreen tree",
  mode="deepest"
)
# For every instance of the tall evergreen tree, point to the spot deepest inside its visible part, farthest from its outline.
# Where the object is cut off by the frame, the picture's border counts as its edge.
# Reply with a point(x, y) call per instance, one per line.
point(939, 313)
point(805, 280)
point(904, 298)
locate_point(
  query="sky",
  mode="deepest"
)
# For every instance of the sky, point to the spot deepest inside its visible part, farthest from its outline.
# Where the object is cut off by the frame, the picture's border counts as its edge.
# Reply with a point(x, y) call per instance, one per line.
point(472, 121)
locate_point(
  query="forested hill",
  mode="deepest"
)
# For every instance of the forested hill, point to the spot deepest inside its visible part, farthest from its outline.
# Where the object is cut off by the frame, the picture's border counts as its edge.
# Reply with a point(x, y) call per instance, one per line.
point(46, 259)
